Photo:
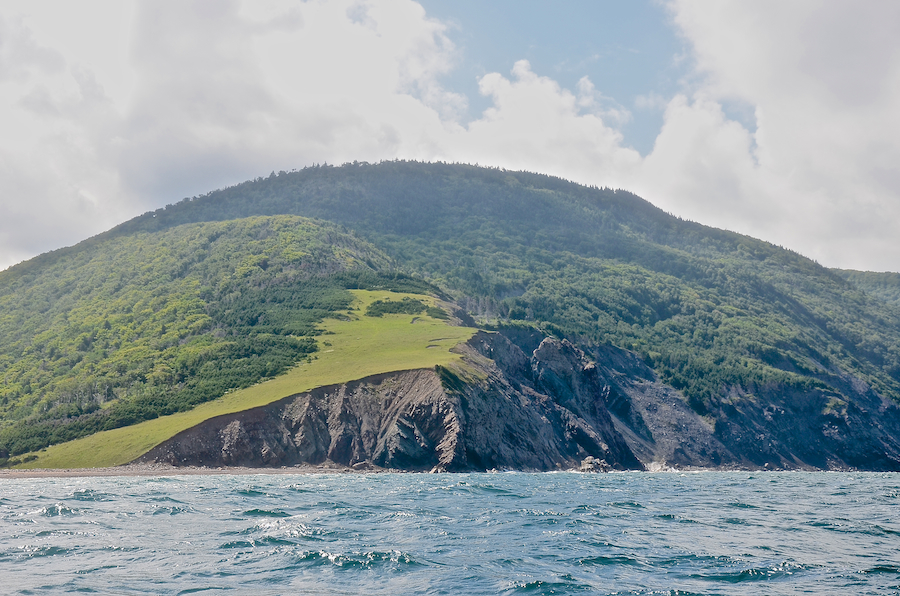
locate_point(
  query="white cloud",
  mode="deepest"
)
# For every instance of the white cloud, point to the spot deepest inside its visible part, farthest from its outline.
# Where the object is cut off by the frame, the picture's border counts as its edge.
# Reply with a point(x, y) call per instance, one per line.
point(536, 125)
point(200, 94)
point(702, 166)
point(221, 98)
point(110, 107)
point(52, 183)
point(824, 79)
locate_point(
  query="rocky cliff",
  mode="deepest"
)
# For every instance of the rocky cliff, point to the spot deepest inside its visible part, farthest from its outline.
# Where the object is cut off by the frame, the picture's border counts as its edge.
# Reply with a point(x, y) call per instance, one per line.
point(499, 408)
point(495, 409)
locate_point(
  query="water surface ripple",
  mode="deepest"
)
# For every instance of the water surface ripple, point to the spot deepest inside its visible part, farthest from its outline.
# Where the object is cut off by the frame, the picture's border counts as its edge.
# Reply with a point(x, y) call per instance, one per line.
point(728, 533)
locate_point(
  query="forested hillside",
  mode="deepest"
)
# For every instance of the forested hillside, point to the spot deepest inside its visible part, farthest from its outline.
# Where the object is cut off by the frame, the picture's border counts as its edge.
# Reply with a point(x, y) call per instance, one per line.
point(150, 324)
point(711, 310)
point(724, 318)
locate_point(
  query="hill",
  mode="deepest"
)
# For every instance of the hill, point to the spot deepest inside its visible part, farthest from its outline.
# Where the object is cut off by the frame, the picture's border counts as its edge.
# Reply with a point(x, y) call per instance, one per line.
point(789, 362)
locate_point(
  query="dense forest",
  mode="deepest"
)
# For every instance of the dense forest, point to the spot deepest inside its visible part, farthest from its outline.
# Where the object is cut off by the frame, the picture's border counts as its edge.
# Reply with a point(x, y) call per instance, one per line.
point(222, 290)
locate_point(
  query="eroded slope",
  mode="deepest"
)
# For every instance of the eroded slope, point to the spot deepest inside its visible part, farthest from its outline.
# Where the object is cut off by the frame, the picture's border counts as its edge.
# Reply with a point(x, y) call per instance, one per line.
point(498, 408)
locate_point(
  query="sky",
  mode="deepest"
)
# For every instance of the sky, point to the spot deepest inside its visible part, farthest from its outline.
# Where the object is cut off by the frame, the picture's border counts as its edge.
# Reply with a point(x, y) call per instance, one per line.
point(775, 119)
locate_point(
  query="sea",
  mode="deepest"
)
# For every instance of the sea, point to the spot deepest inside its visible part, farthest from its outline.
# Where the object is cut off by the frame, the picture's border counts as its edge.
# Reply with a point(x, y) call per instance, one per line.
point(728, 533)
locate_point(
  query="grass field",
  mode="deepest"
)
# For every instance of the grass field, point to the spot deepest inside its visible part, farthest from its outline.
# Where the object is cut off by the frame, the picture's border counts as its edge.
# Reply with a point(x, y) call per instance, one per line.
point(352, 349)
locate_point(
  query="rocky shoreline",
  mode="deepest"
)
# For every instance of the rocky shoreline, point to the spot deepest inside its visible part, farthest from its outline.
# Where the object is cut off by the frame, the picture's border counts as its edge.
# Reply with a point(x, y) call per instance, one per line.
point(162, 469)
point(158, 469)
point(527, 404)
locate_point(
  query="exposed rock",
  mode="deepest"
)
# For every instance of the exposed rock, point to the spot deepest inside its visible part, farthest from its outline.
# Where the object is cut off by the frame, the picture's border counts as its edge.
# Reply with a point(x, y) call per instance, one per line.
point(563, 371)
point(482, 414)
point(816, 429)
point(654, 419)
point(556, 409)
point(592, 464)
point(774, 429)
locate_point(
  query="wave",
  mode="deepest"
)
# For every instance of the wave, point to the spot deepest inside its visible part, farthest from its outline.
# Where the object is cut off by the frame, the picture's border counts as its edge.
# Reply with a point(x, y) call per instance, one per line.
point(265, 513)
point(452, 534)
point(359, 560)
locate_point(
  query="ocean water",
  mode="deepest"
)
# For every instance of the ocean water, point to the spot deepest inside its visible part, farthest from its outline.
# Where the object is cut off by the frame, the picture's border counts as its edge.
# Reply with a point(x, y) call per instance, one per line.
point(508, 533)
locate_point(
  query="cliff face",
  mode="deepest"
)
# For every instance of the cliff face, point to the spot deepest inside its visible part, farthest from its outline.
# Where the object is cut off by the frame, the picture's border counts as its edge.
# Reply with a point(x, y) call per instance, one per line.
point(497, 409)
point(501, 409)
point(812, 429)
point(774, 428)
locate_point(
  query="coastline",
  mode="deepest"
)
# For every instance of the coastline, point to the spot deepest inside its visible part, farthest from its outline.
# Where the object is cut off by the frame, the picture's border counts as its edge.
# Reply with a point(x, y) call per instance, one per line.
point(161, 469)
point(167, 470)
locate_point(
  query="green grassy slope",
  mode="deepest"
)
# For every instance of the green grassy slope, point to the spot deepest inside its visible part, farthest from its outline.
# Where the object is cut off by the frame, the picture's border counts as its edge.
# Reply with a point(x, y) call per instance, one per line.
point(350, 349)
